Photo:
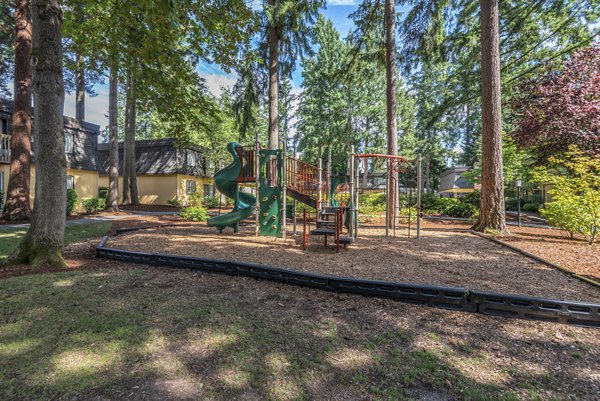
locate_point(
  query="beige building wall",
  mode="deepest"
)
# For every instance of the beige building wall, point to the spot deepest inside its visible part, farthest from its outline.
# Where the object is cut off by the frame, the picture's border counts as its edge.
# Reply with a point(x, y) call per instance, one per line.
point(86, 184)
point(157, 189)
point(182, 196)
point(4, 170)
point(153, 189)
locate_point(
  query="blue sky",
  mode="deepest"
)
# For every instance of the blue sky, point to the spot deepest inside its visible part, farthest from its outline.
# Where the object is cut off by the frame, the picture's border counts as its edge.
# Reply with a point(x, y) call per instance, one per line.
point(97, 107)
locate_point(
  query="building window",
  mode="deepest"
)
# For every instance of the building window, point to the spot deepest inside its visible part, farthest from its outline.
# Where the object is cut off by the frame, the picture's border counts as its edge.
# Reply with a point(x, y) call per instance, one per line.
point(69, 143)
point(1, 183)
point(70, 182)
point(190, 186)
point(207, 190)
point(3, 126)
point(191, 159)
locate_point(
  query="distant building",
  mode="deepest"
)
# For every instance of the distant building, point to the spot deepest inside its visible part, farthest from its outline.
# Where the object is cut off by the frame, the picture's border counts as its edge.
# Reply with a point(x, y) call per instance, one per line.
point(166, 173)
point(83, 166)
point(453, 184)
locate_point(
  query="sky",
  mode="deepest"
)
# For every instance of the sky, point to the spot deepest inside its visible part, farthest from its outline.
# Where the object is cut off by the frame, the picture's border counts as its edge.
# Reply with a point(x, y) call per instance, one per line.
point(97, 107)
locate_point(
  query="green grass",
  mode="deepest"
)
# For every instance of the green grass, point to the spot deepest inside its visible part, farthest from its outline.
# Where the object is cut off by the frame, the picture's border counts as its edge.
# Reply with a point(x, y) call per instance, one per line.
point(109, 333)
point(10, 238)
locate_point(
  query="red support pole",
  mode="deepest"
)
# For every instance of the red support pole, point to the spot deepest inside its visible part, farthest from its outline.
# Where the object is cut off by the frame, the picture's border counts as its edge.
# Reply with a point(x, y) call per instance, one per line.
point(304, 242)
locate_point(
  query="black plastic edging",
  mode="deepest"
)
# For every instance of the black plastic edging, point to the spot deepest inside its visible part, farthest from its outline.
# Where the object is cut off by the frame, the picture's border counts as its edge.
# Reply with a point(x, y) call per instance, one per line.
point(459, 299)
point(578, 313)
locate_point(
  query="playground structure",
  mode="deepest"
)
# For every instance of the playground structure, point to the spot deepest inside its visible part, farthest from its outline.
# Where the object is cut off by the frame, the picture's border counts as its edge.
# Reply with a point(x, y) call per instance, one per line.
point(277, 176)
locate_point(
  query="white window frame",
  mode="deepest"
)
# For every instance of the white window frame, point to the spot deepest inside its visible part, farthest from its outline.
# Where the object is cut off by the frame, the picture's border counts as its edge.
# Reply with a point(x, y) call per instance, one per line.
point(191, 159)
point(69, 143)
point(187, 187)
point(71, 182)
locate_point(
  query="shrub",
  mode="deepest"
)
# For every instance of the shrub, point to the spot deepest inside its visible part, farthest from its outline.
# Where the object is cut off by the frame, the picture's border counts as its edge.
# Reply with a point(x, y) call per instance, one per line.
point(575, 206)
point(71, 201)
point(93, 205)
point(472, 198)
point(461, 209)
point(1, 201)
point(103, 193)
point(194, 213)
point(531, 207)
point(210, 202)
point(174, 202)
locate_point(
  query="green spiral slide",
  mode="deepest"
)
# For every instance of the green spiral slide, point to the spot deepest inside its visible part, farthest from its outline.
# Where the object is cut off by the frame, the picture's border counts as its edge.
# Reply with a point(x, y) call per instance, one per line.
point(226, 183)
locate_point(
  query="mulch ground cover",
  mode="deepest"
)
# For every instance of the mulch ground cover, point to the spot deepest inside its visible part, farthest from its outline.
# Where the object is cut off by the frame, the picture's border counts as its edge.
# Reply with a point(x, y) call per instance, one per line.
point(443, 256)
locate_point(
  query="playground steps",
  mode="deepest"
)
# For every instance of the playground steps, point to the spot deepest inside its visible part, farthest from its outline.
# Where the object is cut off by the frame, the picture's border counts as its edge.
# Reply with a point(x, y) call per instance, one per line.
point(302, 198)
point(323, 231)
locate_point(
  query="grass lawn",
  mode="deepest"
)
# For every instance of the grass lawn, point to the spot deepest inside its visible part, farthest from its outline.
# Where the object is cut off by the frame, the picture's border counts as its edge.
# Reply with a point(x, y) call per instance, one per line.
point(148, 333)
point(9, 238)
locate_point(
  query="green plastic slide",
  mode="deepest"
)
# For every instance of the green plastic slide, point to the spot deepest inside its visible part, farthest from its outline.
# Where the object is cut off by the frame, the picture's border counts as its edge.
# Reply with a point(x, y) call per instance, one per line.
point(225, 181)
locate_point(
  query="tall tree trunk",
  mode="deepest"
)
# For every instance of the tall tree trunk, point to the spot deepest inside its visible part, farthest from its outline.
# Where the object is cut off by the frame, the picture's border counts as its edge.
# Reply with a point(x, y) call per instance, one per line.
point(44, 240)
point(80, 89)
point(273, 43)
point(113, 164)
point(126, 150)
point(17, 205)
point(428, 175)
point(468, 129)
point(130, 142)
point(130, 194)
point(491, 215)
point(390, 69)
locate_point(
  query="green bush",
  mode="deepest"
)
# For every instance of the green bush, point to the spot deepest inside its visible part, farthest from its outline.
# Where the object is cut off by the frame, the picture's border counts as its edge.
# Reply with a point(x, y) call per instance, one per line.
point(174, 202)
point(461, 209)
point(103, 193)
point(211, 202)
point(575, 205)
point(71, 201)
point(1, 201)
point(93, 205)
point(531, 207)
point(194, 213)
point(472, 198)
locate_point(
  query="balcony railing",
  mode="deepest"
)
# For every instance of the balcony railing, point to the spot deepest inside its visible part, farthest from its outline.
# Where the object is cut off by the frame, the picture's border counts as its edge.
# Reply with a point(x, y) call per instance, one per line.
point(4, 148)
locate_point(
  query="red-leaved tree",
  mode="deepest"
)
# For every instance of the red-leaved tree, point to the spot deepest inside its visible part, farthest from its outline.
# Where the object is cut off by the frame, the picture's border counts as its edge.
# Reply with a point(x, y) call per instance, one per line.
point(561, 107)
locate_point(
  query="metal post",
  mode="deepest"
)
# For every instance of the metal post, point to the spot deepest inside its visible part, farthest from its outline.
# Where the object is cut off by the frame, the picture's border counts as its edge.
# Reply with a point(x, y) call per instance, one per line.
point(387, 199)
point(329, 191)
point(419, 188)
point(320, 188)
point(257, 180)
point(356, 200)
point(352, 189)
point(284, 191)
point(519, 206)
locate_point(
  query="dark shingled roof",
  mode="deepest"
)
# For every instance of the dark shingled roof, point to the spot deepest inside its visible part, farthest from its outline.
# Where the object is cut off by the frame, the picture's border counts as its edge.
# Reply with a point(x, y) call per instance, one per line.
point(85, 136)
point(157, 156)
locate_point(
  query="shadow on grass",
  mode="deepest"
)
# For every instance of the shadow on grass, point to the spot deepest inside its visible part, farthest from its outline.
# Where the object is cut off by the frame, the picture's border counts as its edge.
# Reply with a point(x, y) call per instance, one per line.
point(155, 334)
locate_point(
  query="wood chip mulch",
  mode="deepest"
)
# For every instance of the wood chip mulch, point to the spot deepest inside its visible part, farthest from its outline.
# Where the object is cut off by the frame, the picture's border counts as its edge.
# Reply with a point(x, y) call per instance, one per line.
point(444, 256)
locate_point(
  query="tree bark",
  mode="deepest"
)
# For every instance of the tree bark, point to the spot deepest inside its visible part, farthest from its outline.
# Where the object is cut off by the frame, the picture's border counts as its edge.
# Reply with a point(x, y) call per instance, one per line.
point(80, 89)
point(44, 240)
point(130, 195)
point(273, 44)
point(17, 205)
point(113, 168)
point(428, 175)
point(390, 69)
point(491, 215)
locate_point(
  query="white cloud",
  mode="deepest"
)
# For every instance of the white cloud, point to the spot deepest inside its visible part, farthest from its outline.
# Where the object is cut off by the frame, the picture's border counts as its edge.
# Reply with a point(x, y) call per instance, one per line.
point(342, 2)
point(215, 82)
